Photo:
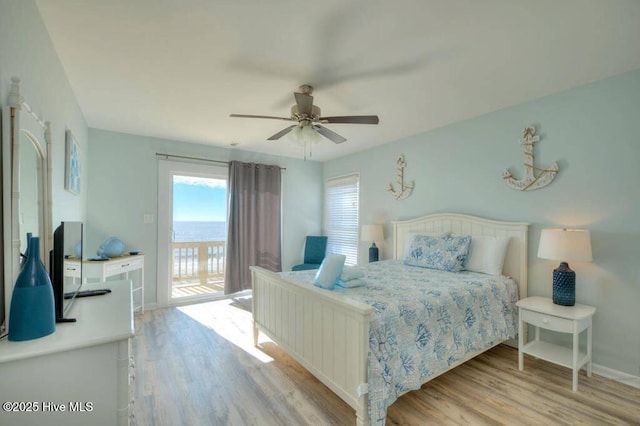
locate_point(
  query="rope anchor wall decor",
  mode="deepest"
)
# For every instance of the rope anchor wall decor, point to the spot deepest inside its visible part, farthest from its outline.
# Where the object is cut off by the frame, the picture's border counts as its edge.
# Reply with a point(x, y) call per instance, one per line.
point(534, 177)
point(404, 189)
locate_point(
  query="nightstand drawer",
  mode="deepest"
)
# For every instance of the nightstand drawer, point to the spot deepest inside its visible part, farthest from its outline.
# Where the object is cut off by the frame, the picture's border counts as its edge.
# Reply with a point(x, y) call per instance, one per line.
point(548, 322)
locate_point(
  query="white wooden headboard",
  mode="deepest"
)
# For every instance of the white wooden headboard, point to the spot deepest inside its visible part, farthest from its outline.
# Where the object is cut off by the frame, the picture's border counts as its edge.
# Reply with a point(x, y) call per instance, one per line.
point(515, 264)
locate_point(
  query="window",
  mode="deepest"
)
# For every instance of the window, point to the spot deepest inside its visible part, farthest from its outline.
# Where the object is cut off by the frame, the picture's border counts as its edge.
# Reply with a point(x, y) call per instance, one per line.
point(341, 216)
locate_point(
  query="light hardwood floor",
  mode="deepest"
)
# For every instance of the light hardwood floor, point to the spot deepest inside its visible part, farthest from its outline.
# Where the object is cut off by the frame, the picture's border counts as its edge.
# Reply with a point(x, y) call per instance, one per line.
point(196, 365)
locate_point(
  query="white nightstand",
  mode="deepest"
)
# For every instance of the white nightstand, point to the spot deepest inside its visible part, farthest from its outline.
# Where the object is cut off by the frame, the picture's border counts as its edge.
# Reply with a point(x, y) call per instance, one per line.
point(541, 312)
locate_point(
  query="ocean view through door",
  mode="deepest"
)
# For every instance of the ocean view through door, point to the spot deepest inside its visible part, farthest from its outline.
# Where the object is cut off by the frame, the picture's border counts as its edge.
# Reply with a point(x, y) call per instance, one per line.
point(193, 213)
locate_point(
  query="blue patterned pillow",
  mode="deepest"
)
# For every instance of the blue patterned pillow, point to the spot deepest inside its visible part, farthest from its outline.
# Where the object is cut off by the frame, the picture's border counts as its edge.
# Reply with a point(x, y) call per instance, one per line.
point(329, 271)
point(447, 253)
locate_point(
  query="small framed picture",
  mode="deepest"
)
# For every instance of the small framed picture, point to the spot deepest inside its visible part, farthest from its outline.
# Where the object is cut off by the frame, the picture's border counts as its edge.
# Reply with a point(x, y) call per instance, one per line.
point(72, 164)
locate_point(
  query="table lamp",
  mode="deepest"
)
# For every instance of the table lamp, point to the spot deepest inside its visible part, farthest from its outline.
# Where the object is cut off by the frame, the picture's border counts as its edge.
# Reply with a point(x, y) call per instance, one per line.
point(372, 233)
point(565, 245)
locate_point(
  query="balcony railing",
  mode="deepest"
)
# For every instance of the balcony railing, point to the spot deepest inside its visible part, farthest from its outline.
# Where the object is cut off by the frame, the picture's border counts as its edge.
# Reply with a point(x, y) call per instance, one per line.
point(197, 262)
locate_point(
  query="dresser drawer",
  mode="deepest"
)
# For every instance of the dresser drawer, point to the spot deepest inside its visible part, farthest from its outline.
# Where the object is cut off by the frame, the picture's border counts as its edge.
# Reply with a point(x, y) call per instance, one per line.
point(122, 266)
point(72, 269)
point(548, 322)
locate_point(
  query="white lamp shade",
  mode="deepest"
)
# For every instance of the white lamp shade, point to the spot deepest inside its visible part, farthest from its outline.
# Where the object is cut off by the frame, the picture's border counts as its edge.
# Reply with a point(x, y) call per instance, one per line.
point(567, 245)
point(371, 233)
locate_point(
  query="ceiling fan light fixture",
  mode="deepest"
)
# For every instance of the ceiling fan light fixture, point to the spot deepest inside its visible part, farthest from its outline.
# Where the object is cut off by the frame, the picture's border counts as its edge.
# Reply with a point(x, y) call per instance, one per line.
point(308, 133)
point(304, 135)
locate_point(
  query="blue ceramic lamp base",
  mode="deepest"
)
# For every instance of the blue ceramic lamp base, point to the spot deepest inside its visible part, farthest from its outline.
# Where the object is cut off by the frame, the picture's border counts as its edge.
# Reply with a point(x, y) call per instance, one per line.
point(564, 285)
point(373, 253)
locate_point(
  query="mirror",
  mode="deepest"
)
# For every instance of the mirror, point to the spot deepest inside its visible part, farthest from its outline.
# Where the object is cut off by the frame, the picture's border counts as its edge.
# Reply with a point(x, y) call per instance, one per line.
point(30, 174)
point(26, 180)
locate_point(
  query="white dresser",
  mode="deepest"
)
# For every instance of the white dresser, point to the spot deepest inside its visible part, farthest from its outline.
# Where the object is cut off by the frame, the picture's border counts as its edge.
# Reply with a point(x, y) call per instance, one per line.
point(83, 368)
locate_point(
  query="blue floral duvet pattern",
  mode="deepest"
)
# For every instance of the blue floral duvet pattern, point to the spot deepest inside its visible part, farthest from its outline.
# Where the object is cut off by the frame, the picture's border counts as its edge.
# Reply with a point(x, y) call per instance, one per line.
point(425, 320)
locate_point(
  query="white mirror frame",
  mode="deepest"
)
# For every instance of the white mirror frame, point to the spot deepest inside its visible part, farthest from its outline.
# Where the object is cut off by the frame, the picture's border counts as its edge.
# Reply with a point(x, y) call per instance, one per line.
point(12, 118)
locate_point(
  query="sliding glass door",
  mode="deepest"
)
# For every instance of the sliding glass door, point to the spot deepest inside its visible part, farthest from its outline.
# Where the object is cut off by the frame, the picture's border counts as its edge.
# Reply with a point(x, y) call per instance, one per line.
point(192, 213)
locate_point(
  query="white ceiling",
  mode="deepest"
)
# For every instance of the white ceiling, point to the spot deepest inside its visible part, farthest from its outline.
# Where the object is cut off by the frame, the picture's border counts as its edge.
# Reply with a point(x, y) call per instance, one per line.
point(177, 69)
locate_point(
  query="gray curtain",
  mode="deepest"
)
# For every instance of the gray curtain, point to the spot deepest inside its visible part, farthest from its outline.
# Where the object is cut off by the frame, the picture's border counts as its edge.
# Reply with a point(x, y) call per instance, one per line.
point(253, 233)
point(2, 283)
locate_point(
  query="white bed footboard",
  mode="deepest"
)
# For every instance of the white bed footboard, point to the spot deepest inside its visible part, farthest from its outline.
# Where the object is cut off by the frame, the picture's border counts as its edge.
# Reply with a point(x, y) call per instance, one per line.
point(328, 335)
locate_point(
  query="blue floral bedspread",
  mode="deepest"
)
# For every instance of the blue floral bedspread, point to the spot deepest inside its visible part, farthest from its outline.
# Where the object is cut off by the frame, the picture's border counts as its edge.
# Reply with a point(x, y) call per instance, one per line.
point(425, 320)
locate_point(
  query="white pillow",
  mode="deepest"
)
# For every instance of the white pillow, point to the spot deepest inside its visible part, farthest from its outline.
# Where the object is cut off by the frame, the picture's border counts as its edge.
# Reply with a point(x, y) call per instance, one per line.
point(408, 239)
point(487, 254)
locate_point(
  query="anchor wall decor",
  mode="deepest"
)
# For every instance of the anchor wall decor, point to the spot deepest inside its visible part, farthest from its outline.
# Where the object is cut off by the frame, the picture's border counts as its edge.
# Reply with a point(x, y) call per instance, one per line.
point(534, 177)
point(404, 189)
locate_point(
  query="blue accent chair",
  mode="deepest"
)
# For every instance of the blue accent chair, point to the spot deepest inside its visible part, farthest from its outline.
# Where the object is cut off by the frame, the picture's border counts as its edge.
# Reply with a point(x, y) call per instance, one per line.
point(315, 249)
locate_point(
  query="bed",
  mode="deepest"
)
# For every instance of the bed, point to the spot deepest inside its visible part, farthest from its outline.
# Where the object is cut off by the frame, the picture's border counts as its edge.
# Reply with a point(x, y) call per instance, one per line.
point(332, 335)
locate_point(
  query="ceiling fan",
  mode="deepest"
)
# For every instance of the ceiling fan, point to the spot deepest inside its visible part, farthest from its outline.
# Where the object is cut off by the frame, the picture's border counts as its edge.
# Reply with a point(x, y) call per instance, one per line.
point(308, 115)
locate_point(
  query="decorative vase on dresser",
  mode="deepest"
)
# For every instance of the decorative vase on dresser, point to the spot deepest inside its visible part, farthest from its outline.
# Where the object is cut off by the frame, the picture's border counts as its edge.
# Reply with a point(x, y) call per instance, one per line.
point(32, 313)
point(25, 256)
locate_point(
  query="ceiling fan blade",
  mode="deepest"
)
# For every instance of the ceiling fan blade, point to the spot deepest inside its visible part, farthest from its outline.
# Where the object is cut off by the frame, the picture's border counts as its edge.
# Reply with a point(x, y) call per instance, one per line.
point(329, 134)
point(281, 133)
point(304, 102)
point(261, 116)
point(351, 119)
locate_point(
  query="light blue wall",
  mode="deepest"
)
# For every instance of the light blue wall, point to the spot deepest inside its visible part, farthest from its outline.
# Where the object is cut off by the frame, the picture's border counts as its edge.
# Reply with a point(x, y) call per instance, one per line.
point(124, 186)
point(592, 132)
point(27, 52)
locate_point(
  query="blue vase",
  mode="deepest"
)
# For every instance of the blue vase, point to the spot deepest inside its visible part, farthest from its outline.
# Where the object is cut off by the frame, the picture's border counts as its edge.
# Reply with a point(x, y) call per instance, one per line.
point(24, 257)
point(32, 312)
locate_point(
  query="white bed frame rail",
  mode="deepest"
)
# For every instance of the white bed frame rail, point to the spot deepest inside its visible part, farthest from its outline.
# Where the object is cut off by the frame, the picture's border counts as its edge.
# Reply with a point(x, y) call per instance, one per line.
point(329, 336)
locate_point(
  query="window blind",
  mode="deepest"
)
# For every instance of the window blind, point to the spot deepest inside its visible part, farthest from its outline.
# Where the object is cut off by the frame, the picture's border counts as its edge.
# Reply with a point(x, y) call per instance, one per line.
point(341, 216)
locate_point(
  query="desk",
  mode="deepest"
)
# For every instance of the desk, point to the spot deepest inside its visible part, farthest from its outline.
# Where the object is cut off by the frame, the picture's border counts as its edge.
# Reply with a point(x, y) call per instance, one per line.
point(103, 269)
point(88, 361)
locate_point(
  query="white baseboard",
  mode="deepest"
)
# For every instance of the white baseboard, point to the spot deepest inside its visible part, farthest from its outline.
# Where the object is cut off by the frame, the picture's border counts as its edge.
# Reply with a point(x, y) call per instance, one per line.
point(618, 376)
